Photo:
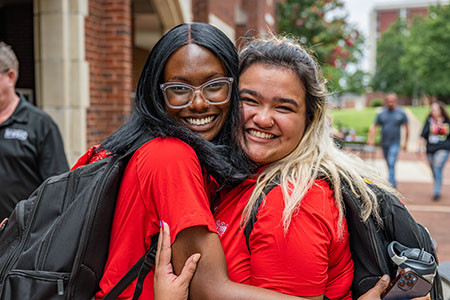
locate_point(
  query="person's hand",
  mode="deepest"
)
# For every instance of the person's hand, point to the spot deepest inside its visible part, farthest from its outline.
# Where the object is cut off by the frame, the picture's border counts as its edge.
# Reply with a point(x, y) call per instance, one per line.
point(375, 292)
point(167, 285)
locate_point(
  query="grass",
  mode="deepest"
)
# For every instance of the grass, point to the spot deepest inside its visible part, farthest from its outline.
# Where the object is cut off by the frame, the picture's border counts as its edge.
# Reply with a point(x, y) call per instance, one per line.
point(359, 120)
point(420, 112)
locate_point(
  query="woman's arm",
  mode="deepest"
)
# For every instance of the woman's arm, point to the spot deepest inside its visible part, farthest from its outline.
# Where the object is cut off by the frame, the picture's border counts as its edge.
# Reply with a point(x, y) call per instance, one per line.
point(212, 282)
point(167, 285)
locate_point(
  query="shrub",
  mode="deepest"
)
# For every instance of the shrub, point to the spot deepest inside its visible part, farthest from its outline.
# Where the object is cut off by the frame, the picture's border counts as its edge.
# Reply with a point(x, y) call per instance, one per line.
point(376, 102)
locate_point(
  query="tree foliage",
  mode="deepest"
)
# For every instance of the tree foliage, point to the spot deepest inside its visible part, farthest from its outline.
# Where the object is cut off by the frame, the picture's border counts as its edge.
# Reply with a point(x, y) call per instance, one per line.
point(415, 60)
point(390, 75)
point(428, 55)
point(321, 25)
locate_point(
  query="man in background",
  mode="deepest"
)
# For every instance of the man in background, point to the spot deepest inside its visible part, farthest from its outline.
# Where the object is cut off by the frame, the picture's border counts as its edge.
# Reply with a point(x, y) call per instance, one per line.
point(31, 148)
point(391, 119)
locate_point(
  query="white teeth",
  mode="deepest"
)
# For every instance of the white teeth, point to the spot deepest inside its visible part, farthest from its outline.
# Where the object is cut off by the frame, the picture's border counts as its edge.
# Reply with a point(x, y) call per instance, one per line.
point(202, 121)
point(260, 134)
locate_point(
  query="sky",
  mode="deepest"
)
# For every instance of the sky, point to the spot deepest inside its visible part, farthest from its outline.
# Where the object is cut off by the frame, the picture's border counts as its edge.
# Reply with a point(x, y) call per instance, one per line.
point(359, 12)
point(359, 15)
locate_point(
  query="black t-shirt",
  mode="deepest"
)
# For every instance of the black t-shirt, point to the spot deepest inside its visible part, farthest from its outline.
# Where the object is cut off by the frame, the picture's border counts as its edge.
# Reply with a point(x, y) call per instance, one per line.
point(31, 149)
point(437, 135)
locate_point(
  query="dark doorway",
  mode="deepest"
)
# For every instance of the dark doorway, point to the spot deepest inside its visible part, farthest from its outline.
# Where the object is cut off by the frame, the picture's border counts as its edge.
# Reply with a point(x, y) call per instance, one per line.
point(16, 29)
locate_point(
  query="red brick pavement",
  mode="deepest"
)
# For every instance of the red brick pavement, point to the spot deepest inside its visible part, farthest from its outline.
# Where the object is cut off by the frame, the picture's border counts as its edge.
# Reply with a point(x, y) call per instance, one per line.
point(435, 215)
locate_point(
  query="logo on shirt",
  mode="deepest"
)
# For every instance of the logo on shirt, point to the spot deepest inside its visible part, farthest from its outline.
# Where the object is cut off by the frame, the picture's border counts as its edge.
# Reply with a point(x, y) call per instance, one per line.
point(16, 134)
point(221, 227)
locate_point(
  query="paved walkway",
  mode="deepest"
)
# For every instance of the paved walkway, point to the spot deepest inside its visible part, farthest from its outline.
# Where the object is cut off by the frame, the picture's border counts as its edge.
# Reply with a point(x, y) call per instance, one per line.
point(414, 179)
point(415, 129)
point(415, 183)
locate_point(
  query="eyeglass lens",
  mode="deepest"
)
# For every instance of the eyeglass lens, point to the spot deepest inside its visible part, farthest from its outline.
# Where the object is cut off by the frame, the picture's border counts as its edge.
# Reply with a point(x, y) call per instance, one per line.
point(215, 92)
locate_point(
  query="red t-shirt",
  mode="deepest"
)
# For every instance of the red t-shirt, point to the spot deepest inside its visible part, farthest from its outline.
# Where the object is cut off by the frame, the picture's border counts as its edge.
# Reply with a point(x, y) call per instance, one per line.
point(162, 181)
point(311, 259)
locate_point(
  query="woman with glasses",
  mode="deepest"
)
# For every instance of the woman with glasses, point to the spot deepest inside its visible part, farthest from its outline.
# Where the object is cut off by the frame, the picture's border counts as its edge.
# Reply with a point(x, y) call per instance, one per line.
point(267, 145)
point(187, 101)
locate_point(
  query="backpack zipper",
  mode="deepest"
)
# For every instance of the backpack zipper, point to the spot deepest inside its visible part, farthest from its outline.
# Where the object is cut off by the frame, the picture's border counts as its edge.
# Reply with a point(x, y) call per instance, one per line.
point(378, 256)
point(84, 235)
point(68, 197)
point(58, 278)
point(15, 254)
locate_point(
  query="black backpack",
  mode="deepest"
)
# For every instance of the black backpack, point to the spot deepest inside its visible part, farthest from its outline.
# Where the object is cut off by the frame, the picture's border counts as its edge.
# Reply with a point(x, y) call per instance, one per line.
point(369, 241)
point(55, 243)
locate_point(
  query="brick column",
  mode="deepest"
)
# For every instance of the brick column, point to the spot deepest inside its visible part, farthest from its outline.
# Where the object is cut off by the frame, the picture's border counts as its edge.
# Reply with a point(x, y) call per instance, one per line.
point(109, 53)
point(200, 10)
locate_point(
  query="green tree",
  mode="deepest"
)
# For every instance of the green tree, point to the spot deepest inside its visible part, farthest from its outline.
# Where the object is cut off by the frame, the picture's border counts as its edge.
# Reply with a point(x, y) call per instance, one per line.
point(321, 26)
point(390, 74)
point(427, 54)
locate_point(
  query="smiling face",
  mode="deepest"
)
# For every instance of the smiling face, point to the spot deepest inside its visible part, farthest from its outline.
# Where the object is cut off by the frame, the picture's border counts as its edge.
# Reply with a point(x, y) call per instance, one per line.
point(195, 65)
point(436, 111)
point(274, 108)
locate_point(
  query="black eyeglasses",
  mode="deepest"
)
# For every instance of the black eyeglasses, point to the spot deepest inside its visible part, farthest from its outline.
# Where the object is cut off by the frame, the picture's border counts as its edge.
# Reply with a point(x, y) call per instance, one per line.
point(5, 70)
point(180, 95)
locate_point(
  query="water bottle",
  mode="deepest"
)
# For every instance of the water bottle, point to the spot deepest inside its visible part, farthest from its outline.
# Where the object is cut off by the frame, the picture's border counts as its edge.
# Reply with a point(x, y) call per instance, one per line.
point(418, 260)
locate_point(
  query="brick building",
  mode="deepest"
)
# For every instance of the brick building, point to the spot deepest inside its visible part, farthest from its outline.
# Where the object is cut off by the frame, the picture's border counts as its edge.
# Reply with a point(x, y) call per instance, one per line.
point(382, 16)
point(80, 59)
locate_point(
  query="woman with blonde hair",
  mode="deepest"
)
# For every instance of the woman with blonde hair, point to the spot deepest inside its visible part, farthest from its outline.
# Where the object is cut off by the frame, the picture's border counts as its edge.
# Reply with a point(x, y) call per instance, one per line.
point(299, 244)
point(281, 111)
point(187, 101)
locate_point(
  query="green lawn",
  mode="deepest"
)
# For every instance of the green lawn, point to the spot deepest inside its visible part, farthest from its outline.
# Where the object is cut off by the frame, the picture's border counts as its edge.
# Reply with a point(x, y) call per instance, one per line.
point(420, 112)
point(359, 120)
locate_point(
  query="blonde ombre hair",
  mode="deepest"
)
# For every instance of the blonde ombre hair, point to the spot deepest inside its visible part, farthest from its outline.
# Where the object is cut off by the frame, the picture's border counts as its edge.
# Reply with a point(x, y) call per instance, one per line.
point(316, 156)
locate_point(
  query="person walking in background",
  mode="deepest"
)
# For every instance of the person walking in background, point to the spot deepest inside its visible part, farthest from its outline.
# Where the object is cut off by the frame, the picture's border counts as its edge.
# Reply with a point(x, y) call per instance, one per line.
point(391, 119)
point(435, 133)
point(31, 148)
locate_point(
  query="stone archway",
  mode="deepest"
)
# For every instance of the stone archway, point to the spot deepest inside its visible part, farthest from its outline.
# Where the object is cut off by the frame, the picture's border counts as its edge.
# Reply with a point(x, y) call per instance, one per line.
point(151, 19)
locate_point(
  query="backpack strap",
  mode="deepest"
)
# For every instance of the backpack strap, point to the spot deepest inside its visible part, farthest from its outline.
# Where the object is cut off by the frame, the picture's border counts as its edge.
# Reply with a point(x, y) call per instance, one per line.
point(143, 266)
point(140, 270)
point(139, 142)
point(251, 222)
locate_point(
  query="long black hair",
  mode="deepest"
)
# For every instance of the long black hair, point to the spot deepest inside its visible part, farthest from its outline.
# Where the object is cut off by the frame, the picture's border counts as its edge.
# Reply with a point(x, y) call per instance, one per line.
point(223, 157)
